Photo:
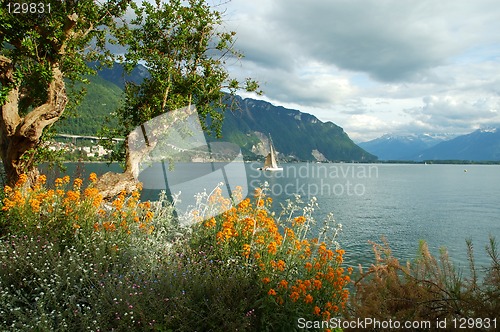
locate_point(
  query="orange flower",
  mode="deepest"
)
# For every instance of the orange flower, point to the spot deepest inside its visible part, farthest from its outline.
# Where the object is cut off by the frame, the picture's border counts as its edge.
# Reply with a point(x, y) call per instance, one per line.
point(246, 250)
point(271, 292)
point(73, 195)
point(94, 195)
point(93, 177)
point(266, 280)
point(109, 226)
point(289, 232)
point(316, 310)
point(272, 248)
point(149, 216)
point(58, 182)
point(41, 179)
point(77, 183)
point(299, 220)
point(308, 298)
point(23, 178)
point(35, 205)
point(317, 284)
point(281, 265)
point(294, 296)
point(210, 223)
point(283, 284)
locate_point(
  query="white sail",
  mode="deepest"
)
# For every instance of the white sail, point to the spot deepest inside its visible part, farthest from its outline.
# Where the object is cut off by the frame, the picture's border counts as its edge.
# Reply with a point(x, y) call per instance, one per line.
point(270, 163)
point(274, 164)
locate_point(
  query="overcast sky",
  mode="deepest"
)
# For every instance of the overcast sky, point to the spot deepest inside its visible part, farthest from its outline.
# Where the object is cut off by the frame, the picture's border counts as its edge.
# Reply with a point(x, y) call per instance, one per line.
point(375, 66)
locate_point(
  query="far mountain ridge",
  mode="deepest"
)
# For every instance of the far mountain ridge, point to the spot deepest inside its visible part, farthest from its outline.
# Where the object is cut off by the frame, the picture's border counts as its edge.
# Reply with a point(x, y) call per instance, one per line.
point(402, 147)
point(480, 145)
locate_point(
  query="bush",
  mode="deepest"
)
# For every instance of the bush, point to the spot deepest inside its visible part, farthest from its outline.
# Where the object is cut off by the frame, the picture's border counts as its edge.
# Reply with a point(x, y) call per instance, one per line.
point(71, 262)
point(427, 289)
point(296, 276)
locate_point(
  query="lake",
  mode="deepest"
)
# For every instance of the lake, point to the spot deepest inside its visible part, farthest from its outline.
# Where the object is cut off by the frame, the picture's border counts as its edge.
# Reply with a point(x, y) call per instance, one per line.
point(442, 204)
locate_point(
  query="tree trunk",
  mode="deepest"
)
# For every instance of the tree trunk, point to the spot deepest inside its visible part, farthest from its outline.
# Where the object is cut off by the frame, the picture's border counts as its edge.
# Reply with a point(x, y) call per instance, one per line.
point(20, 136)
point(111, 184)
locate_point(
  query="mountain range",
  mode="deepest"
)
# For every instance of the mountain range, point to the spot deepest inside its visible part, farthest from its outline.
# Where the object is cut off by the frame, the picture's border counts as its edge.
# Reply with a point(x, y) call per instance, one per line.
point(402, 147)
point(480, 145)
point(295, 135)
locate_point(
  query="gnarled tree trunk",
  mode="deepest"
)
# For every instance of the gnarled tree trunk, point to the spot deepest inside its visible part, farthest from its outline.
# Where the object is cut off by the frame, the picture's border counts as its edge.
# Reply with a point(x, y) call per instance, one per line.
point(18, 135)
point(111, 184)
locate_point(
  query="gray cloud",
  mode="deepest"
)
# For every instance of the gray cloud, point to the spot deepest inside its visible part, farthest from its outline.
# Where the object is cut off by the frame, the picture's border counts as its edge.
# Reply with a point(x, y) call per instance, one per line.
point(342, 56)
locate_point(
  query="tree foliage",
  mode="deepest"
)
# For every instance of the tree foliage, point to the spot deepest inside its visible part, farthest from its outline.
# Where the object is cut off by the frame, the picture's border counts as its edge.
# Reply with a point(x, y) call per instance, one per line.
point(186, 49)
point(182, 43)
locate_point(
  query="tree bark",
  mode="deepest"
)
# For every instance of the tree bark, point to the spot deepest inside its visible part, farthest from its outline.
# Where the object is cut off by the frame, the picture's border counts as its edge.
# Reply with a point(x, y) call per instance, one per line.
point(111, 184)
point(19, 135)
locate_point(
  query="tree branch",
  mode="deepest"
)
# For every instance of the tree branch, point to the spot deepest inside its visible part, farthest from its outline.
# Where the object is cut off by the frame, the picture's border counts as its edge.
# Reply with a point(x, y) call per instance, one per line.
point(33, 124)
point(10, 116)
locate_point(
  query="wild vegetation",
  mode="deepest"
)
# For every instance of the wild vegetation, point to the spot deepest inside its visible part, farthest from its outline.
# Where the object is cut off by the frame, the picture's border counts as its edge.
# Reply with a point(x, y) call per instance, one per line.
point(70, 261)
point(429, 289)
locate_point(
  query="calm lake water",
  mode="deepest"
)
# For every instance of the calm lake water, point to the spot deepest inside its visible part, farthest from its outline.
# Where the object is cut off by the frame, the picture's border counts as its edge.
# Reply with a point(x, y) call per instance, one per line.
point(442, 204)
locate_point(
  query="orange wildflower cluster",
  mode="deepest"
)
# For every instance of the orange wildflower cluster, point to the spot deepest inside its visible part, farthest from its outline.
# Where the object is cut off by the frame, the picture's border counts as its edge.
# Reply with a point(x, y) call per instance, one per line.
point(294, 270)
point(127, 213)
point(80, 207)
point(48, 203)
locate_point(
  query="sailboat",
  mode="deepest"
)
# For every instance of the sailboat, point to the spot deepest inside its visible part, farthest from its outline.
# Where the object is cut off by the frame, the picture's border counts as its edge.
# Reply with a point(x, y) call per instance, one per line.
point(270, 163)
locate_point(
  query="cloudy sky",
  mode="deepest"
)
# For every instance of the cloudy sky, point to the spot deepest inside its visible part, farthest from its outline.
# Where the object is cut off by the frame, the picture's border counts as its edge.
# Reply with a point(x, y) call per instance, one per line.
point(375, 66)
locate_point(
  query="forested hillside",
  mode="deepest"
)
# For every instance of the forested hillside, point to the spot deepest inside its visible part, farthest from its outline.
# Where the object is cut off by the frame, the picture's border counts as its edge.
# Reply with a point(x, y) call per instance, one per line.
point(296, 135)
point(102, 99)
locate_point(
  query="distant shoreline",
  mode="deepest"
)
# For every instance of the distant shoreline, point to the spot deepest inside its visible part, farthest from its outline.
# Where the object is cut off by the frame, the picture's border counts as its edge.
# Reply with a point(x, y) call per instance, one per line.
point(402, 162)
